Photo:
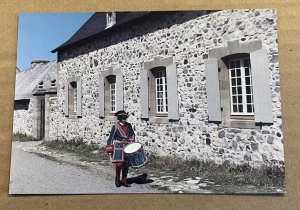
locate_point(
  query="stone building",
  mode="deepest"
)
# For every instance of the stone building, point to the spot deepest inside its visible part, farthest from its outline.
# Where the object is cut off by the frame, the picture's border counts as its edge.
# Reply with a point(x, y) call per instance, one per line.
point(198, 84)
point(34, 89)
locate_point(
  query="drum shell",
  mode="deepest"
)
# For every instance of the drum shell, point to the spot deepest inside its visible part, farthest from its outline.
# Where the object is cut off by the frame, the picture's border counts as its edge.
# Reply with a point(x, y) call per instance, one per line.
point(136, 159)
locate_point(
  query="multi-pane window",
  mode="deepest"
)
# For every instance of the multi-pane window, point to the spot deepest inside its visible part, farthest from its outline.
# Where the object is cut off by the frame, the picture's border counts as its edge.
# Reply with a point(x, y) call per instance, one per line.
point(241, 90)
point(110, 95)
point(73, 97)
point(161, 92)
point(74, 93)
point(110, 19)
point(113, 96)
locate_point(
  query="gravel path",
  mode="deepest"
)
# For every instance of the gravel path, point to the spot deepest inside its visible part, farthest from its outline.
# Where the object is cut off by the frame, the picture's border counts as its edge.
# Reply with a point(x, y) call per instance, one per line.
point(33, 174)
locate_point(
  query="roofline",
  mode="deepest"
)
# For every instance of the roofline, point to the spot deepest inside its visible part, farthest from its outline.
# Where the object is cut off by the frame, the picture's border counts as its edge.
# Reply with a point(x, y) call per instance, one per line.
point(104, 32)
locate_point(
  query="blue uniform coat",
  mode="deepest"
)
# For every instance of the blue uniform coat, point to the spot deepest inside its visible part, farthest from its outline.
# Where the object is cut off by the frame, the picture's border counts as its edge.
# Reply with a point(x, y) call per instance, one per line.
point(118, 138)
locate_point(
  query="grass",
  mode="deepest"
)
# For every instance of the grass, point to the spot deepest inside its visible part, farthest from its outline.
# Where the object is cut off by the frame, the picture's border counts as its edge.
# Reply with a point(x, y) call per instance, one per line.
point(265, 178)
point(23, 137)
point(87, 152)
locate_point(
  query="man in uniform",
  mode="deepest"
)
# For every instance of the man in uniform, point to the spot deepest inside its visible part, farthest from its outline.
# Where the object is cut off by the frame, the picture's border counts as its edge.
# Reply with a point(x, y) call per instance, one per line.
point(121, 134)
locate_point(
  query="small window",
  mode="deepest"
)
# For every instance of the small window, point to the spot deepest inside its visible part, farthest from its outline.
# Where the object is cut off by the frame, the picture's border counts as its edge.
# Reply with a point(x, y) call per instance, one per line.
point(110, 19)
point(161, 94)
point(113, 96)
point(110, 95)
point(73, 97)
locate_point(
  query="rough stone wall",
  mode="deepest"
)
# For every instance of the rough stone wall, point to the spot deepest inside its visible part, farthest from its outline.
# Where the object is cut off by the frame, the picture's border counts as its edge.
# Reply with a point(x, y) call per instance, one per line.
point(187, 37)
point(23, 117)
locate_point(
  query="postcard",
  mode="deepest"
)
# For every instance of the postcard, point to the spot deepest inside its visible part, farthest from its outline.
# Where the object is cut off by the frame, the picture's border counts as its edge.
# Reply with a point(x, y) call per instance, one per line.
point(148, 102)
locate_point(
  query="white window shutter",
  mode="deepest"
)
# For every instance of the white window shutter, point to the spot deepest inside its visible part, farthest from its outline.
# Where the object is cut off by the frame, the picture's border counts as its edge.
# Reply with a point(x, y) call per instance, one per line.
point(119, 92)
point(79, 98)
point(66, 111)
point(101, 97)
point(261, 86)
point(212, 89)
point(173, 110)
point(144, 94)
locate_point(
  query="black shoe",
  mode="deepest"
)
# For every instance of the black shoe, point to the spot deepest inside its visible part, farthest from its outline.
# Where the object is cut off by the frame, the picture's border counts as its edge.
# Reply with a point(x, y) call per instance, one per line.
point(144, 176)
point(117, 183)
point(125, 183)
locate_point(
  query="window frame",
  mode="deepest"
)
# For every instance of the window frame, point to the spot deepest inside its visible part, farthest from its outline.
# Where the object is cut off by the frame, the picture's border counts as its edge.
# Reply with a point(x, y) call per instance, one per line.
point(73, 97)
point(242, 85)
point(160, 74)
point(112, 91)
point(110, 19)
point(109, 81)
point(148, 91)
point(259, 61)
point(73, 107)
point(114, 75)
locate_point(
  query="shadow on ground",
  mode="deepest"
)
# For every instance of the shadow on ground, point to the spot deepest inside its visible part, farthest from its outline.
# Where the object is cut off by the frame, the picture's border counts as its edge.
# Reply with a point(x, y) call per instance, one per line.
point(140, 179)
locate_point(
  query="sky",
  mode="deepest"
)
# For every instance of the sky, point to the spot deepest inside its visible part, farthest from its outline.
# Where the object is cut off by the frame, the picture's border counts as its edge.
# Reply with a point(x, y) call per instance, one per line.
point(40, 33)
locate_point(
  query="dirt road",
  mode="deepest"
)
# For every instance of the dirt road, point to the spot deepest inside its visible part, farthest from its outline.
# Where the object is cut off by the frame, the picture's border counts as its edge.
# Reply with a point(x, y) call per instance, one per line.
point(33, 174)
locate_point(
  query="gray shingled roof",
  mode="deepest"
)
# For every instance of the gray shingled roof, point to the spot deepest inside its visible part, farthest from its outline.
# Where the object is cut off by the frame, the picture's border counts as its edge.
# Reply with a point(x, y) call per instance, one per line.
point(27, 81)
point(96, 26)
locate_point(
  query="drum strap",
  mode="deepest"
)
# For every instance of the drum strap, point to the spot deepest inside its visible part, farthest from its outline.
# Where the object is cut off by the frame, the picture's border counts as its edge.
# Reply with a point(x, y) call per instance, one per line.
point(121, 131)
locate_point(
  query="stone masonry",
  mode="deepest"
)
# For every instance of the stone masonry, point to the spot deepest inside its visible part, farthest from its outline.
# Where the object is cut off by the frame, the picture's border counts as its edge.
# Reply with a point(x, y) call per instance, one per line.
point(23, 117)
point(186, 37)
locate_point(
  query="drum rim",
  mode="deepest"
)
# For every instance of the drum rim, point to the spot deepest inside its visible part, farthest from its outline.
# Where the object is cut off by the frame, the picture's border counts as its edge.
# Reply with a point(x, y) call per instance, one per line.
point(141, 164)
point(131, 145)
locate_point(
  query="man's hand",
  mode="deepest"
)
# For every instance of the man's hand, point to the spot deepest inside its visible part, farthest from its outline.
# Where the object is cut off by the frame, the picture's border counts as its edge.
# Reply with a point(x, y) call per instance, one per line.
point(109, 149)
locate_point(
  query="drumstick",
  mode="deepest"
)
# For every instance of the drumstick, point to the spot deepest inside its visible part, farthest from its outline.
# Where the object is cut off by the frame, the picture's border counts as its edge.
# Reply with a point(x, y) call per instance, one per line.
point(110, 159)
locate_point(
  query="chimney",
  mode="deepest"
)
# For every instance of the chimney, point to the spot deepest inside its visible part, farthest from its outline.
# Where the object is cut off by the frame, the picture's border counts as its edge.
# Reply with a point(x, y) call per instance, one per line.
point(37, 61)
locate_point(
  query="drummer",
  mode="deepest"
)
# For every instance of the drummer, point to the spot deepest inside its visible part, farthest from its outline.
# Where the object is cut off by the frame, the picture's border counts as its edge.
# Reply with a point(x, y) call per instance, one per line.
point(120, 135)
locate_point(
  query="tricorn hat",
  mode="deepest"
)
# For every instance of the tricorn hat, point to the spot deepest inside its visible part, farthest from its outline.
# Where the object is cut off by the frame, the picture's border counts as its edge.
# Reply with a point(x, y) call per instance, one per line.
point(121, 113)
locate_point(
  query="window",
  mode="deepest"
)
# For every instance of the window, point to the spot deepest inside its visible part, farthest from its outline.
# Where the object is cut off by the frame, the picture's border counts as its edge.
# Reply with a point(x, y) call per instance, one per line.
point(113, 97)
point(241, 91)
point(73, 97)
point(159, 100)
point(110, 19)
point(110, 93)
point(238, 85)
point(161, 91)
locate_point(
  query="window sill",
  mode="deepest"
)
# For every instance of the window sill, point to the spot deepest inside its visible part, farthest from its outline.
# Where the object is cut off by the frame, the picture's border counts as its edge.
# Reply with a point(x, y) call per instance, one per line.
point(161, 115)
point(239, 123)
point(242, 117)
point(73, 117)
point(159, 120)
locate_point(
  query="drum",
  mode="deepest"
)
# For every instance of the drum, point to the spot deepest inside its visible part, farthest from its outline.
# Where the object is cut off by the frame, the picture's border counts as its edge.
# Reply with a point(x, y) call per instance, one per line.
point(136, 155)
